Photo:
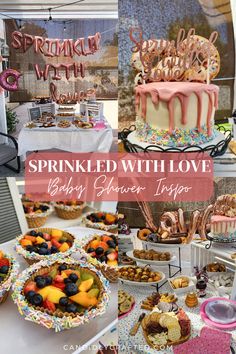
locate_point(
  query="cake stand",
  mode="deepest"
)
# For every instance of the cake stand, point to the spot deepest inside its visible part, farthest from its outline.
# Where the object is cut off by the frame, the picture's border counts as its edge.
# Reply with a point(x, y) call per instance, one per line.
point(218, 240)
point(216, 147)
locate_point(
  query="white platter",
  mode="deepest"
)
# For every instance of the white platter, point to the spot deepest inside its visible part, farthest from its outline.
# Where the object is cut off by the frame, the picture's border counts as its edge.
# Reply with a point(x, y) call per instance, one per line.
point(148, 261)
point(162, 245)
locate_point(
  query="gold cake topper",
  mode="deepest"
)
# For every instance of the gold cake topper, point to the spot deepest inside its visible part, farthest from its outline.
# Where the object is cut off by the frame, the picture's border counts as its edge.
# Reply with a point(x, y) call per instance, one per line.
point(189, 58)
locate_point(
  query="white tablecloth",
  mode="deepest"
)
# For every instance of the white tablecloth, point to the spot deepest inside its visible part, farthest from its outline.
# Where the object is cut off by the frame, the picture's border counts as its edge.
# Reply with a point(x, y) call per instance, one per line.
point(67, 139)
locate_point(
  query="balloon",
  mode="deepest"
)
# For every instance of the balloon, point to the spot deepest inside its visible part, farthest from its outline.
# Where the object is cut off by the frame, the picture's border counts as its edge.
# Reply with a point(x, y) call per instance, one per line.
point(16, 39)
point(6, 75)
point(53, 91)
point(56, 68)
point(41, 73)
point(67, 69)
point(79, 68)
point(38, 44)
point(28, 40)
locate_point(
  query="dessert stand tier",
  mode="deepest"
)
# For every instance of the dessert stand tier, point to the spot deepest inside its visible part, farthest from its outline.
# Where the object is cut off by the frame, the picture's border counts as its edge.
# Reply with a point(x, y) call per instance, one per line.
point(150, 262)
point(216, 147)
point(218, 240)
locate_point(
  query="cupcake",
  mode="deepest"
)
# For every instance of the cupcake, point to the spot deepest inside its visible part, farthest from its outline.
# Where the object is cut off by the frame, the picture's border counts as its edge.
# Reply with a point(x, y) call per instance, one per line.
point(8, 271)
point(102, 221)
point(102, 251)
point(36, 213)
point(70, 209)
point(45, 243)
point(62, 294)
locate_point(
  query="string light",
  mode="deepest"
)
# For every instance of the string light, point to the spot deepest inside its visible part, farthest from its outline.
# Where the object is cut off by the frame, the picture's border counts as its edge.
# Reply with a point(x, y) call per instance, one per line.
point(64, 28)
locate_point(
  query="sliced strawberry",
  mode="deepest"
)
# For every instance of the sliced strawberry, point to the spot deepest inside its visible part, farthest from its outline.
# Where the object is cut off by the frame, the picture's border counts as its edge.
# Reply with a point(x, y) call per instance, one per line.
point(56, 243)
point(46, 237)
point(4, 262)
point(49, 305)
point(59, 285)
point(30, 286)
point(112, 256)
point(59, 279)
point(49, 243)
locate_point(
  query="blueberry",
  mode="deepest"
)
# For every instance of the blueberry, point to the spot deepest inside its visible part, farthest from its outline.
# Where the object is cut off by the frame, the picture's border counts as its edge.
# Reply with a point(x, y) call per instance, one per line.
point(40, 234)
point(30, 294)
point(71, 308)
point(41, 283)
point(108, 252)
point(43, 245)
point(99, 251)
point(4, 269)
point(43, 251)
point(38, 277)
point(103, 259)
point(111, 244)
point(73, 277)
point(37, 300)
point(67, 280)
point(90, 250)
point(63, 301)
point(30, 248)
point(54, 249)
point(1, 279)
point(44, 207)
point(62, 267)
point(71, 289)
point(33, 233)
point(114, 237)
point(48, 280)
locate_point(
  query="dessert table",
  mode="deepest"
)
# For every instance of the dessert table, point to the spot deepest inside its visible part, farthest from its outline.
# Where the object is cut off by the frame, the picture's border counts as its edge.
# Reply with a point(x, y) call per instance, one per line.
point(29, 337)
point(70, 139)
point(137, 343)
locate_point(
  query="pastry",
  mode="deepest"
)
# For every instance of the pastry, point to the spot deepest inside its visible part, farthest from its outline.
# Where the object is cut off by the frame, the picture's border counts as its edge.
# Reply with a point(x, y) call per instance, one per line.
point(36, 213)
point(45, 243)
point(103, 221)
point(215, 267)
point(180, 282)
point(152, 255)
point(69, 209)
point(8, 272)
point(232, 146)
point(64, 124)
point(61, 294)
point(139, 274)
point(143, 233)
point(125, 302)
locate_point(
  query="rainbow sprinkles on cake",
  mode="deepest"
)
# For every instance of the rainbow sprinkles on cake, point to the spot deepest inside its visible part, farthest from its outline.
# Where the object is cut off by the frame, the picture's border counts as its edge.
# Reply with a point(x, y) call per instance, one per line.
point(174, 99)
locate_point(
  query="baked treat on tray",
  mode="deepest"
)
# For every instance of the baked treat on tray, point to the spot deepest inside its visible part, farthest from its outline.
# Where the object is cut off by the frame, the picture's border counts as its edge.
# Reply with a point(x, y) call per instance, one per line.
point(69, 209)
point(45, 243)
point(102, 252)
point(102, 221)
point(8, 272)
point(163, 237)
point(125, 302)
point(62, 294)
point(152, 255)
point(140, 274)
point(223, 220)
point(166, 329)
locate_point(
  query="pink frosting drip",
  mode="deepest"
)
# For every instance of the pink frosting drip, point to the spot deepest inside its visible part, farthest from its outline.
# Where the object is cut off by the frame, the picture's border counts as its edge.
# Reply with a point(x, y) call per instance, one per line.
point(167, 91)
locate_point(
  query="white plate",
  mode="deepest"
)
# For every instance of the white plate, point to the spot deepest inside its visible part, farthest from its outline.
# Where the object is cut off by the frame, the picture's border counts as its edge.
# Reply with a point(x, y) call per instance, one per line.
point(139, 283)
point(148, 261)
point(187, 289)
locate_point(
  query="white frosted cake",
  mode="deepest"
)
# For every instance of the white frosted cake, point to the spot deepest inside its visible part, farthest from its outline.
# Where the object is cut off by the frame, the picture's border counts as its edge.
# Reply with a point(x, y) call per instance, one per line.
point(175, 113)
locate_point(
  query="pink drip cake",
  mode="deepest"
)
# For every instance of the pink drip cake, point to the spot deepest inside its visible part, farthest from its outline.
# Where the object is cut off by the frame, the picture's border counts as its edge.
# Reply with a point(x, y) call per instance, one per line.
point(176, 113)
point(223, 220)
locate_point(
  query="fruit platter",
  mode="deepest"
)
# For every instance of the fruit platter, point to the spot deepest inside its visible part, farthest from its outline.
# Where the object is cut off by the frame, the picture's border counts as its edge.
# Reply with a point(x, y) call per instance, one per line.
point(45, 243)
point(102, 221)
point(126, 303)
point(164, 238)
point(62, 294)
point(36, 213)
point(162, 330)
point(151, 257)
point(69, 209)
point(8, 272)
point(139, 276)
point(102, 252)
